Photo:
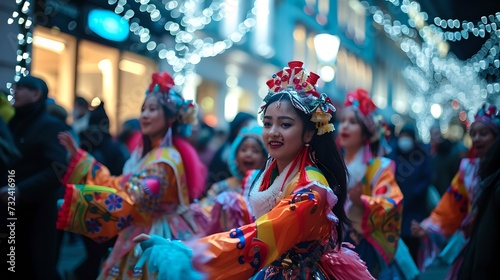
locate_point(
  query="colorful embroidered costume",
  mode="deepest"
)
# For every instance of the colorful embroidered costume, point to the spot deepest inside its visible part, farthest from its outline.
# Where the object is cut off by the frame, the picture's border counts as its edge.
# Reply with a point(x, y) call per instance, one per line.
point(376, 225)
point(293, 240)
point(457, 209)
point(445, 220)
point(297, 232)
point(152, 198)
point(153, 194)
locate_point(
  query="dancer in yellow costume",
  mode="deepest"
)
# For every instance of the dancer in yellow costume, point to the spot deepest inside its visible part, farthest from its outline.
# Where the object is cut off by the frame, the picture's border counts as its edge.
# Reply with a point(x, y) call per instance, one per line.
point(375, 200)
point(153, 195)
point(298, 201)
point(454, 216)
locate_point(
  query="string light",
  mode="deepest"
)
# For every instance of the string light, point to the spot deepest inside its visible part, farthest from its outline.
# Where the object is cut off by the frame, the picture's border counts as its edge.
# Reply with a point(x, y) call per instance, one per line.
point(434, 76)
point(24, 38)
point(189, 47)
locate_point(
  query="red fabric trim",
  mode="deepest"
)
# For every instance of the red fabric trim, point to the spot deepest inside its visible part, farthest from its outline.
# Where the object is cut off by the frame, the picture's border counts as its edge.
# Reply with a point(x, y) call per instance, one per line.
point(64, 212)
point(72, 164)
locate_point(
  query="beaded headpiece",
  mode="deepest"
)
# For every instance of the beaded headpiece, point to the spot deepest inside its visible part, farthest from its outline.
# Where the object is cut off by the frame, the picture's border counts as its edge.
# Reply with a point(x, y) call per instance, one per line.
point(489, 116)
point(299, 85)
point(161, 87)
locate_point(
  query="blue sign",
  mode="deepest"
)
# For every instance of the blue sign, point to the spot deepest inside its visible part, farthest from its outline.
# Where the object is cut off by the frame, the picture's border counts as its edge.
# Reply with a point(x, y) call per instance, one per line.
point(108, 25)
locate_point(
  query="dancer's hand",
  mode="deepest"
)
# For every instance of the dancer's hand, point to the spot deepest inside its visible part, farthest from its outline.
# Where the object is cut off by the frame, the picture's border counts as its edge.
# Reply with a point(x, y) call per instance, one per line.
point(67, 140)
point(416, 229)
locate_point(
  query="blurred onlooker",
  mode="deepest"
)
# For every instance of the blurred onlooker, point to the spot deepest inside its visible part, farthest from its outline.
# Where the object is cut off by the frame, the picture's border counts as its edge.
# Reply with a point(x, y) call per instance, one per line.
point(131, 135)
point(218, 168)
point(81, 114)
point(445, 160)
point(413, 175)
point(59, 112)
point(37, 183)
point(393, 139)
point(201, 138)
point(97, 141)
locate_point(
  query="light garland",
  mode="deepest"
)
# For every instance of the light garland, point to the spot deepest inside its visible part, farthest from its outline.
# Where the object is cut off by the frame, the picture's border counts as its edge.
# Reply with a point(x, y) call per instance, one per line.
point(24, 38)
point(189, 48)
point(434, 78)
point(438, 79)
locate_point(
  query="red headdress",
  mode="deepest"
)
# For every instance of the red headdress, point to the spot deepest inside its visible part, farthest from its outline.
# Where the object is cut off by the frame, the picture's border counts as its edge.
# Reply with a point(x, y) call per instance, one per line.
point(299, 85)
point(360, 101)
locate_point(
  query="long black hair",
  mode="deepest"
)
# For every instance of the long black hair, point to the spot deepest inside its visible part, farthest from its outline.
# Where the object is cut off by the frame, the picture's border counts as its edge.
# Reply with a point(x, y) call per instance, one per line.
point(329, 160)
point(491, 162)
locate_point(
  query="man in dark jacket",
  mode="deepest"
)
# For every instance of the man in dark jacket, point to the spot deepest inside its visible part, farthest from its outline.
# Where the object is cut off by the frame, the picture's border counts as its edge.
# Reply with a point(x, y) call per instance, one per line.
point(34, 185)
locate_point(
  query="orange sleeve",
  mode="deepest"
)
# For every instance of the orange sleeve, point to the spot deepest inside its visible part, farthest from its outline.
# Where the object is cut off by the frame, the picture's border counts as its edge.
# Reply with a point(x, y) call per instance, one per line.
point(450, 211)
point(241, 252)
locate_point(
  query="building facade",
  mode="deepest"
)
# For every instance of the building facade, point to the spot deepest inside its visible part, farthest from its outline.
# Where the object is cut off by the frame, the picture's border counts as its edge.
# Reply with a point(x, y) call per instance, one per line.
point(78, 59)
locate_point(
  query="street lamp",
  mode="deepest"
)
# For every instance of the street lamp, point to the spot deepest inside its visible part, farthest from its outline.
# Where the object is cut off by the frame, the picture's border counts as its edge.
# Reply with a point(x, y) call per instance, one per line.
point(327, 47)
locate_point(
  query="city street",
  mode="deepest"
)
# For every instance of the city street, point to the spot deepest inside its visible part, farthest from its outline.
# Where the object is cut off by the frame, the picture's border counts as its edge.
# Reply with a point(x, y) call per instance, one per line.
point(73, 253)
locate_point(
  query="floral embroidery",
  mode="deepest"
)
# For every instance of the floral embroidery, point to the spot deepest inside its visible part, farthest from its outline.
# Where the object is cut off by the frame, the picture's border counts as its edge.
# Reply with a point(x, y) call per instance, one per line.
point(93, 225)
point(114, 202)
point(125, 221)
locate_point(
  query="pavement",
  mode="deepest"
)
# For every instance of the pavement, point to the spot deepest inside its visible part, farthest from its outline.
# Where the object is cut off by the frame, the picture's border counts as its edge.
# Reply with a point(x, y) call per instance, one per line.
point(73, 253)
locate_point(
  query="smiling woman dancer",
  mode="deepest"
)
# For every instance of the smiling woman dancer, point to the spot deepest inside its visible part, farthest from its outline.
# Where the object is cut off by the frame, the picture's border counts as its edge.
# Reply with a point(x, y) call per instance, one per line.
point(298, 200)
point(456, 211)
point(374, 198)
point(153, 195)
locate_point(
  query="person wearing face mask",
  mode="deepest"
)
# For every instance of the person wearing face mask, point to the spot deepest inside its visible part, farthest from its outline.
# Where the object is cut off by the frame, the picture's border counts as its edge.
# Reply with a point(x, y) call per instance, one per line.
point(413, 175)
point(81, 114)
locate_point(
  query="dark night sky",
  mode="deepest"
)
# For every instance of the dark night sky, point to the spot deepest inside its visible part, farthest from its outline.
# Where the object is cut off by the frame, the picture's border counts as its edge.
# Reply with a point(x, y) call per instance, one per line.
point(462, 10)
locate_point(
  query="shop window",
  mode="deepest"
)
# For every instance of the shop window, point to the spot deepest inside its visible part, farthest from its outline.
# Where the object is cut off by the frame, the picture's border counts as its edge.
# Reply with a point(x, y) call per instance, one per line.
point(97, 76)
point(135, 73)
point(53, 58)
point(120, 79)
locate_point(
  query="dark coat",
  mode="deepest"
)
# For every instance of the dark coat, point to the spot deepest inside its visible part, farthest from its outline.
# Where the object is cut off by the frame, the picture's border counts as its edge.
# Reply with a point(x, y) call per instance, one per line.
point(413, 175)
point(481, 254)
point(37, 178)
point(104, 149)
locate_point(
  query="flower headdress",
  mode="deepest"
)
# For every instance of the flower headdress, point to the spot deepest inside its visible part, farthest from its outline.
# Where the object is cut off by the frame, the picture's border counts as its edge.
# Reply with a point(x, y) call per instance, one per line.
point(299, 85)
point(185, 110)
point(360, 101)
point(489, 116)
